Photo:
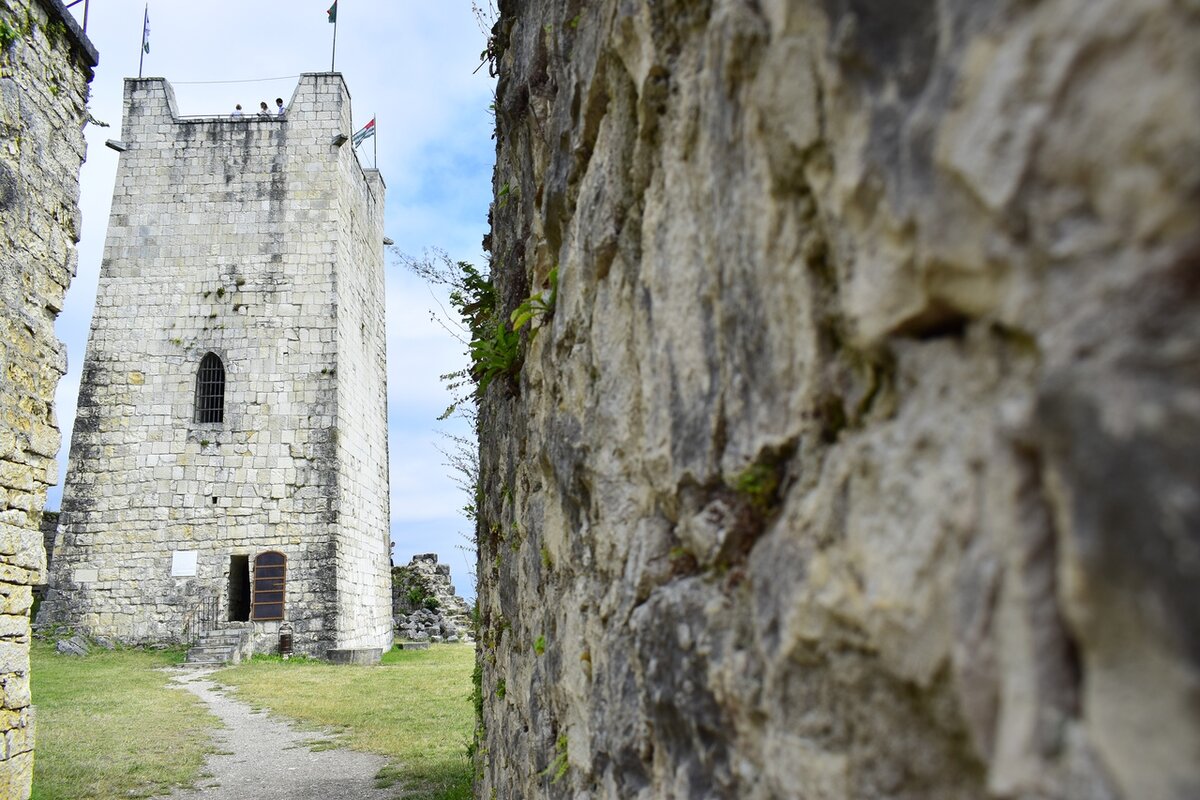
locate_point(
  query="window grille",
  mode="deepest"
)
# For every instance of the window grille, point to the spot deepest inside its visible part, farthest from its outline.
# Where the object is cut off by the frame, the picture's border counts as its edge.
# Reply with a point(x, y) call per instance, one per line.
point(210, 390)
point(270, 575)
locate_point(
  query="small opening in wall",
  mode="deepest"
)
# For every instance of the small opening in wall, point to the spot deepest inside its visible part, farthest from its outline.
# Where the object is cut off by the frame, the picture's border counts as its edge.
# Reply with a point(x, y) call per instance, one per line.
point(214, 501)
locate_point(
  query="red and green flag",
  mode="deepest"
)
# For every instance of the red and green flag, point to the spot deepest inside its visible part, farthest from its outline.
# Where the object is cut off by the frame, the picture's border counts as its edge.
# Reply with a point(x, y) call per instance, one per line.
point(367, 132)
point(332, 12)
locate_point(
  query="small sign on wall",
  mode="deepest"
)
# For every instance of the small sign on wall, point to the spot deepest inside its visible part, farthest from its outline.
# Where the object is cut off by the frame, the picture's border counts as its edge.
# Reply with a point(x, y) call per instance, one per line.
point(183, 564)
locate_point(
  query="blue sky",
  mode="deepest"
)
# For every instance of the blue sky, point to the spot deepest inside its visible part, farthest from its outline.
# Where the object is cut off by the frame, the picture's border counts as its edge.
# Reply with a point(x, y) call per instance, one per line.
point(408, 62)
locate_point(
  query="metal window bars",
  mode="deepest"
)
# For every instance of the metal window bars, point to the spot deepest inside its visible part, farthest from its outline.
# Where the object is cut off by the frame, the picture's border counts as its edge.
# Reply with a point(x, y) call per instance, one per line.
point(210, 390)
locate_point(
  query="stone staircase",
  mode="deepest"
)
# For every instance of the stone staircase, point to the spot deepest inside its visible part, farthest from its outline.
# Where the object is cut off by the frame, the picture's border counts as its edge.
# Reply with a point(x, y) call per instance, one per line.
point(218, 647)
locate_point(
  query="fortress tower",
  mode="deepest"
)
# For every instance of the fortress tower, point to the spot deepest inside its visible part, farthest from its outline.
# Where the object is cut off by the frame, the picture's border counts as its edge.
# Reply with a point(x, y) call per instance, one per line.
point(229, 460)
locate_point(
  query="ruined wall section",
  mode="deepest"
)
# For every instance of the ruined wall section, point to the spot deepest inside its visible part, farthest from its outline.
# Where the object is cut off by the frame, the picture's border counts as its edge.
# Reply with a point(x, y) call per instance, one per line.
point(858, 458)
point(45, 68)
point(224, 238)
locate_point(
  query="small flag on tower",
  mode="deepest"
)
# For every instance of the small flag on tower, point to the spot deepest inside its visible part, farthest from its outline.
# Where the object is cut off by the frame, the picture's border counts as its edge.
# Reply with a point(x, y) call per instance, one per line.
point(332, 12)
point(367, 132)
point(145, 40)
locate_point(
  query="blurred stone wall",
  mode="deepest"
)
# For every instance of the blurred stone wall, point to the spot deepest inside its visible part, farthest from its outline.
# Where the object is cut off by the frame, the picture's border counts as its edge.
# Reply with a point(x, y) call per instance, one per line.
point(45, 69)
point(859, 457)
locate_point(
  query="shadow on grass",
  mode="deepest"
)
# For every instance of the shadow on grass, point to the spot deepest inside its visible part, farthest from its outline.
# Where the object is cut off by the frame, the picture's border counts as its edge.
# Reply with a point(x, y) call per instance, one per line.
point(449, 780)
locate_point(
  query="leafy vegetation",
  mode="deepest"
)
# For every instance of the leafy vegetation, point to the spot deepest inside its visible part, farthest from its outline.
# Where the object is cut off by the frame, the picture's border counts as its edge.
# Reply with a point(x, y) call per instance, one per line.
point(415, 588)
point(758, 483)
point(419, 597)
point(493, 342)
point(8, 34)
point(536, 306)
point(557, 768)
point(108, 725)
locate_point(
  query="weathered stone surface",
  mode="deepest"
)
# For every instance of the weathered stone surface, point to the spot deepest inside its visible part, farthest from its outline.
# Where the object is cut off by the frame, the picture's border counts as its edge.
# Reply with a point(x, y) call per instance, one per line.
point(261, 242)
point(859, 456)
point(74, 646)
point(424, 603)
point(45, 70)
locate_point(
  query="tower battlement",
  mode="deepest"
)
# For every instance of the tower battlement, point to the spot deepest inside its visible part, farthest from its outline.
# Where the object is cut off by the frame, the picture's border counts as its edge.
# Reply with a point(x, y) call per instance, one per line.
point(320, 101)
point(233, 403)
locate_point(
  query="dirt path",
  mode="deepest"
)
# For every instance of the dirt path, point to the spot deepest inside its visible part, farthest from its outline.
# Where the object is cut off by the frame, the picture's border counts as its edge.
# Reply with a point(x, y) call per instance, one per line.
point(266, 759)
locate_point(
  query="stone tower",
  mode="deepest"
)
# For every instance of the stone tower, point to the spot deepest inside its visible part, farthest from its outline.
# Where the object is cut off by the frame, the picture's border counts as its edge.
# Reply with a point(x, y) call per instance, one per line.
point(229, 459)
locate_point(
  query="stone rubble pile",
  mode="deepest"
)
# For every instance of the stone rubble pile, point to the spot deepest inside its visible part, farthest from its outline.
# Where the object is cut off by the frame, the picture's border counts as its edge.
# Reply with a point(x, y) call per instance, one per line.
point(425, 606)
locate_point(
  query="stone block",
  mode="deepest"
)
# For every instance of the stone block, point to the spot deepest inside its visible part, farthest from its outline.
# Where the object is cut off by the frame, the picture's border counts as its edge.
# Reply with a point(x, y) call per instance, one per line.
point(362, 656)
point(16, 776)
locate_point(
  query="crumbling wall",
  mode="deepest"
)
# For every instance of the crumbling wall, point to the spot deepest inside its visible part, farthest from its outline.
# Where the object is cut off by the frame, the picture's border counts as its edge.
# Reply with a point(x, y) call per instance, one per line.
point(425, 604)
point(858, 457)
point(45, 68)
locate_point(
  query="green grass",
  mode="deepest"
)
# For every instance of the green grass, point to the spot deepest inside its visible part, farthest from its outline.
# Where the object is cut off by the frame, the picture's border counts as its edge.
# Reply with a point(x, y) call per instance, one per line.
point(415, 709)
point(108, 726)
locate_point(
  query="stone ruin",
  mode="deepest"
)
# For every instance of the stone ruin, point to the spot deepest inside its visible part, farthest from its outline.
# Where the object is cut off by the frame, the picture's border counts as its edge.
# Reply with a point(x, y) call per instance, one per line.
point(45, 70)
point(425, 606)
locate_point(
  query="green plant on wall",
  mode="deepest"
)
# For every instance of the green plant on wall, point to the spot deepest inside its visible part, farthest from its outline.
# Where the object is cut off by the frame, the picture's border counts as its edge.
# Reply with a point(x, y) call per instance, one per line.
point(557, 768)
point(536, 306)
point(758, 483)
point(418, 597)
point(496, 354)
point(493, 340)
point(56, 32)
point(8, 34)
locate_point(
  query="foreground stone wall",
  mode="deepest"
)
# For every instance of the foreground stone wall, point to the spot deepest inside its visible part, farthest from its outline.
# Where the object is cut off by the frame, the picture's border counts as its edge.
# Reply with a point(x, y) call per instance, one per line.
point(45, 68)
point(859, 456)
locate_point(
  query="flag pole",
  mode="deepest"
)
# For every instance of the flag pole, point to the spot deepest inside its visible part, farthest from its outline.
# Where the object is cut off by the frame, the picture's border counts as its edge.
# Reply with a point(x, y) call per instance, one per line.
point(333, 57)
point(142, 49)
point(375, 140)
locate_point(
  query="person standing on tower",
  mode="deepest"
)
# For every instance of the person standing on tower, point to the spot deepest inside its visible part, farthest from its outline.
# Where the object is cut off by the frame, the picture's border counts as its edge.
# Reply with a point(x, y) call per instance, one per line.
point(279, 105)
point(237, 112)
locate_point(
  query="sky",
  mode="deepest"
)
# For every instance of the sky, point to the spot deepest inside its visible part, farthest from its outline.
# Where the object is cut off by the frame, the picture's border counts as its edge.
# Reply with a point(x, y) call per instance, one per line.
point(409, 63)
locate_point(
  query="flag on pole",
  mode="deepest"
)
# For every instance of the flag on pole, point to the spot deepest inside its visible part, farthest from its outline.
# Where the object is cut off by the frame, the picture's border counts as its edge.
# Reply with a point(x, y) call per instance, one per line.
point(145, 41)
point(332, 12)
point(367, 132)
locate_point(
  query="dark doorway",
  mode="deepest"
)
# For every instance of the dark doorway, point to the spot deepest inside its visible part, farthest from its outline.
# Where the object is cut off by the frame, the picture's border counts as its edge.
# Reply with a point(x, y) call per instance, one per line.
point(239, 588)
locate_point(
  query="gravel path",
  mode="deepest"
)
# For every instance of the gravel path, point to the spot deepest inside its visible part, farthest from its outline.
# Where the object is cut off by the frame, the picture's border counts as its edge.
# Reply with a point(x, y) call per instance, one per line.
point(263, 758)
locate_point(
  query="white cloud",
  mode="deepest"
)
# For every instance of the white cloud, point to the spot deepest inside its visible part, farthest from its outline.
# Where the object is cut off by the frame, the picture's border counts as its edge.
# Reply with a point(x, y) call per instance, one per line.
point(411, 64)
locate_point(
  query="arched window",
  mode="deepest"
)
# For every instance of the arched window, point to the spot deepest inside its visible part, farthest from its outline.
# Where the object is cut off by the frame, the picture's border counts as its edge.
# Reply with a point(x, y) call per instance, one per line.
point(270, 576)
point(210, 390)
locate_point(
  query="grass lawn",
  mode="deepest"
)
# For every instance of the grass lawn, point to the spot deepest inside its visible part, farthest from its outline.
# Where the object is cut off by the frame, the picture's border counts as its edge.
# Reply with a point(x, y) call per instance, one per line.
point(108, 726)
point(415, 709)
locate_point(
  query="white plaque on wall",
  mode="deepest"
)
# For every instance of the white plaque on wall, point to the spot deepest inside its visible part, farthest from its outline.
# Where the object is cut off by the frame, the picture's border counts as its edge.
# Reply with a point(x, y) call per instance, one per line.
point(183, 564)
